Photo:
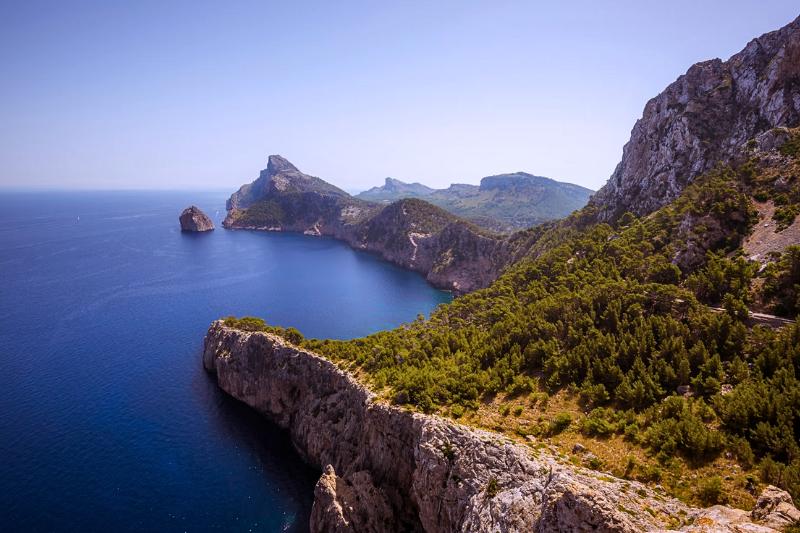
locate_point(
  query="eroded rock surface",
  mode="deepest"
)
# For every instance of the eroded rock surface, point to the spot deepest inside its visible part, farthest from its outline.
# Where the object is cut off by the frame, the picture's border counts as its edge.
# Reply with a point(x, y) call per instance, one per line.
point(706, 116)
point(388, 469)
point(193, 219)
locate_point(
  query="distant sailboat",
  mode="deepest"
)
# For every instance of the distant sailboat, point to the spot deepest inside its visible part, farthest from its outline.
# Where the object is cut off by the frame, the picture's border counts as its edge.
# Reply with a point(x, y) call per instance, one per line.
point(79, 218)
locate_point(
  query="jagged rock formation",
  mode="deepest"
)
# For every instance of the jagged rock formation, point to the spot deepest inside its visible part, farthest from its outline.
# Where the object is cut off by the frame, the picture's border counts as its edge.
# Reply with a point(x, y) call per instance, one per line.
point(387, 469)
point(282, 177)
point(703, 118)
point(193, 219)
point(450, 252)
point(503, 203)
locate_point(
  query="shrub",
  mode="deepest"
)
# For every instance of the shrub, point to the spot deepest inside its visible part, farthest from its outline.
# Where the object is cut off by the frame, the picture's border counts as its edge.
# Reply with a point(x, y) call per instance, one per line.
point(492, 488)
point(710, 491)
point(599, 422)
point(559, 423)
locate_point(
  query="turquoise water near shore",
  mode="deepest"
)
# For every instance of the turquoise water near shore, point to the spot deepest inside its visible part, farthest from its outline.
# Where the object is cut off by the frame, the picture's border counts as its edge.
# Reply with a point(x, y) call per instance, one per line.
point(107, 420)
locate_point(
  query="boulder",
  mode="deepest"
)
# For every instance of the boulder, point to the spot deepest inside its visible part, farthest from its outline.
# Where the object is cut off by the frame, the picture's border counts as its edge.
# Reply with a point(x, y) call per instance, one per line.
point(193, 219)
point(775, 508)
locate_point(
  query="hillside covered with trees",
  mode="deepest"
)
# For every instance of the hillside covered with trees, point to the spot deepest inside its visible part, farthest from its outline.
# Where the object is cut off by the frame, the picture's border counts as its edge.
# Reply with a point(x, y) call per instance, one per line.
point(599, 337)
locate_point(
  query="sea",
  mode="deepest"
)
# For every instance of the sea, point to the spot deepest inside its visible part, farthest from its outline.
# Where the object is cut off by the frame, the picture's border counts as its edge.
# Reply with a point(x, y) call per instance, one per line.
point(108, 421)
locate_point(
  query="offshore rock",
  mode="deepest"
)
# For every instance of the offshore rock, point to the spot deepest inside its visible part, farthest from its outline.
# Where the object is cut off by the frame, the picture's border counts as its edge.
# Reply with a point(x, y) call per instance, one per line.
point(193, 219)
point(388, 469)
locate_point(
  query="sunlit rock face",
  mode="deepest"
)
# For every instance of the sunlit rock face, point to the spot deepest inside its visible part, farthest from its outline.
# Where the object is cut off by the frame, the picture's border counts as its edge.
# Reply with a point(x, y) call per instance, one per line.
point(705, 117)
point(193, 219)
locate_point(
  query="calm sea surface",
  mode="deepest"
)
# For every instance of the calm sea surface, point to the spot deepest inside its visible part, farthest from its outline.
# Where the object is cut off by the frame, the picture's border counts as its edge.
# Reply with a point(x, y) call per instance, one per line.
point(107, 420)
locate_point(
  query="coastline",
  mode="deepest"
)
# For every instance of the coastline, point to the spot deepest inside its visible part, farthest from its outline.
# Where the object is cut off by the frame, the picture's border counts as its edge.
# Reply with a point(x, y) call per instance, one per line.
point(386, 468)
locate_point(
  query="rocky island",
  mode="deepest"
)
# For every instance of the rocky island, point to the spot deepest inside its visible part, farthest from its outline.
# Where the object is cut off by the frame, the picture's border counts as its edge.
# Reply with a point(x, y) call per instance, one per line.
point(192, 219)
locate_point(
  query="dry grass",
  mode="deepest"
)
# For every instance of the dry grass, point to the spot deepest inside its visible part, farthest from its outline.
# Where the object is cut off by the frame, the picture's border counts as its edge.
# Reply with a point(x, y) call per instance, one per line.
point(617, 456)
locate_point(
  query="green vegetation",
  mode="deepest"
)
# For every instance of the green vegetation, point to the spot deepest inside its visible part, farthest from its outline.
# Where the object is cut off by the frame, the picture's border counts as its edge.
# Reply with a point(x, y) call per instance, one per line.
point(780, 183)
point(710, 491)
point(492, 488)
point(618, 318)
point(250, 323)
point(502, 203)
point(792, 146)
point(782, 283)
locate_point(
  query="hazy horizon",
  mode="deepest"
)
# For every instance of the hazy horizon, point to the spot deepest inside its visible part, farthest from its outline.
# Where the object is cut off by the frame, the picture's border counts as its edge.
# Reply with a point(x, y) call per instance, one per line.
point(196, 96)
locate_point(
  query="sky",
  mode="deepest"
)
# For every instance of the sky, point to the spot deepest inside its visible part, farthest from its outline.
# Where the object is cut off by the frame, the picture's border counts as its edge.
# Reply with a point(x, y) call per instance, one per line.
point(197, 95)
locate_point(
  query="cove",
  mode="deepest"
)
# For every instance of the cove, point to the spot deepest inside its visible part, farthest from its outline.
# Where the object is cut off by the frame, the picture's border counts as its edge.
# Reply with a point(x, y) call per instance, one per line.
point(107, 419)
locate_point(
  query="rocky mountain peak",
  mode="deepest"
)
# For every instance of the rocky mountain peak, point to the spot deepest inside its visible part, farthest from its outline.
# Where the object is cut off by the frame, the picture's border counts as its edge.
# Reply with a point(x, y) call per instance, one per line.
point(392, 184)
point(703, 118)
point(278, 164)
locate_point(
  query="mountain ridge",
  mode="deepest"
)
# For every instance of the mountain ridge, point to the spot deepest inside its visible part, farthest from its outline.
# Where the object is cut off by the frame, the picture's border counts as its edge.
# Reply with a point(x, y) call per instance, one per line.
point(501, 202)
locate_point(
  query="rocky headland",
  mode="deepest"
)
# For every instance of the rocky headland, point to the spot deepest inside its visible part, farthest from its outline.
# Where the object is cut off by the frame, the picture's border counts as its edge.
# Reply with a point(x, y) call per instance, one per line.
point(389, 469)
point(450, 252)
point(192, 219)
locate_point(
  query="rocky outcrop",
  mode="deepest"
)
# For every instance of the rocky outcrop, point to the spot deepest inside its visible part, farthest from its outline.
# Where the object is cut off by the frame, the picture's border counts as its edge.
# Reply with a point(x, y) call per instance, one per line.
point(775, 508)
point(193, 219)
point(388, 469)
point(450, 252)
point(703, 118)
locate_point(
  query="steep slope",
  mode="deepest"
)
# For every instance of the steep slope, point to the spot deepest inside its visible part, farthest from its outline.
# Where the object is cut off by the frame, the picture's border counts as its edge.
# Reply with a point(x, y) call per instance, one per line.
point(387, 469)
point(502, 203)
point(283, 198)
point(451, 252)
point(703, 118)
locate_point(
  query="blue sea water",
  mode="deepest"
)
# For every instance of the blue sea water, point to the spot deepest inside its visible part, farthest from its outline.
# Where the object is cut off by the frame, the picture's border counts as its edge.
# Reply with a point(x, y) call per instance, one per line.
point(107, 420)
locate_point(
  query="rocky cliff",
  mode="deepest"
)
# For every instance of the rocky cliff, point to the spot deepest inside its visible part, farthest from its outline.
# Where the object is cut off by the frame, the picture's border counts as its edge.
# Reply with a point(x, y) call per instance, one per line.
point(388, 469)
point(703, 118)
point(450, 252)
point(193, 219)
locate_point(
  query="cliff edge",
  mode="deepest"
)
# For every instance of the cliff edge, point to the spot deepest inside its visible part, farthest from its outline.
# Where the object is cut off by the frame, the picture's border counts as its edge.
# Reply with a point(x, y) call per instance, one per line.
point(389, 469)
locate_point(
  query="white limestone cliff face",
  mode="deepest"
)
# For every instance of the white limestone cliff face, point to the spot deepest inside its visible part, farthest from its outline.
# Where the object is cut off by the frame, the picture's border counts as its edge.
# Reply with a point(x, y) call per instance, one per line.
point(705, 117)
point(388, 469)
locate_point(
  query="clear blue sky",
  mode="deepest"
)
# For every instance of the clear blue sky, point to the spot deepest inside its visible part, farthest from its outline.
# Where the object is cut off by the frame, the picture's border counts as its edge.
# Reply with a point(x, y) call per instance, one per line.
point(170, 94)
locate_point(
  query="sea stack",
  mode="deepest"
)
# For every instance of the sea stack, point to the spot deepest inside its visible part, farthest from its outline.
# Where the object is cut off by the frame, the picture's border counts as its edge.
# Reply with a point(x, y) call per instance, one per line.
point(193, 219)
